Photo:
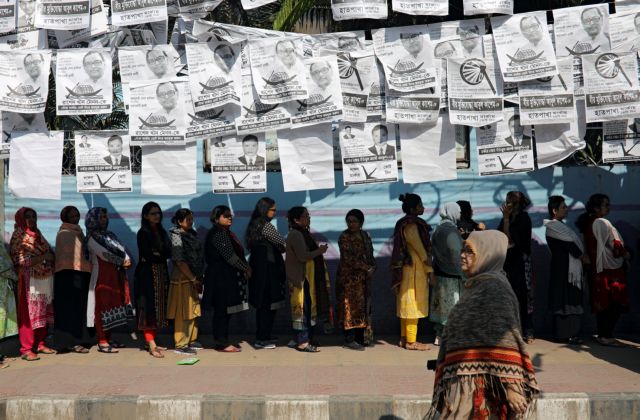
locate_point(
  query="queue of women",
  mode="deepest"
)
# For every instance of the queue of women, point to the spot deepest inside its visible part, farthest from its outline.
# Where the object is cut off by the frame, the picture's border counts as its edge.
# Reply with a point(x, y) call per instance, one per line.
point(476, 285)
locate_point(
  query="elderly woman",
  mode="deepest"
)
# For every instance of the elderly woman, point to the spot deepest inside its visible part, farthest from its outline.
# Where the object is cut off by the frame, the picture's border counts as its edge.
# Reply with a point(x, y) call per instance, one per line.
point(411, 270)
point(565, 273)
point(152, 276)
point(353, 282)
point(605, 247)
point(225, 280)
point(109, 304)
point(516, 224)
point(483, 369)
point(308, 279)
point(446, 245)
point(185, 282)
point(267, 286)
point(34, 262)
point(8, 313)
point(71, 286)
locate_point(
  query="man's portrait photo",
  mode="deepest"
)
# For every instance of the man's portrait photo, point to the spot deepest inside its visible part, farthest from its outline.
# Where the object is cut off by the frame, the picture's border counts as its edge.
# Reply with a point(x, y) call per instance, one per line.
point(286, 54)
point(26, 14)
point(116, 158)
point(517, 137)
point(471, 41)
point(413, 43)
point(84, 143)
point(250, 155)
point(33, 66)
point(321, 74)
point(593, 36)
point(380, 134)
point(224, 57)
point(93, 65)
point(167, 96)
point(531, 30)
point(158, 63)
point(347, 133)
point(349, 43)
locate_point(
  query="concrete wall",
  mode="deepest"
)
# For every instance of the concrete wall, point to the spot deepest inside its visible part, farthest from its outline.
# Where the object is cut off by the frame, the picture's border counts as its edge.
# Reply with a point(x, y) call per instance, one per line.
point(382, 209)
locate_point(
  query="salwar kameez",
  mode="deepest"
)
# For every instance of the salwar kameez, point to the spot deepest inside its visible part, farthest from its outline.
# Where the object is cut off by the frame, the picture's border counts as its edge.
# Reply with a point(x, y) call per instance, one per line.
point(184, 308)
point(8, 285)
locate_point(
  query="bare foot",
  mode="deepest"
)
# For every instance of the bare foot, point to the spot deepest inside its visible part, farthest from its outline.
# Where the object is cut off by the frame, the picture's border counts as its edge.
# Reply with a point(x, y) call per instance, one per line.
point(416, 346)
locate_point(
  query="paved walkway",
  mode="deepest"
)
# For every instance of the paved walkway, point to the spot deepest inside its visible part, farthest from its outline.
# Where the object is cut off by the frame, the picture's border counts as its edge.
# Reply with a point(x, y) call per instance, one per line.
point(382, 370)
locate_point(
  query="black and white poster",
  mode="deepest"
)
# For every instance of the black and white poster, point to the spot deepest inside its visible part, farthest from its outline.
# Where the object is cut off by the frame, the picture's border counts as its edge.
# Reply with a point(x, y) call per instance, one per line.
point(468, 32)
point(211, 123)
point(169, 170)
point(26, 16)
point(103, 161)
point(487, 7)
point(625, 32)
point(414, 108)
point(98, 26)
point(256, 116)
point(621, 141)
point(156, 112)
point(63, 14)
point(627, 6)
point(368, 153)
point(357, 71)
point(421, 7)
point(252, 4)
point(611, 86)
point(135, 12)
point(238, 164)
point(11, 122)
point(524, 47)
point(315, 44)
point(7, 16)
point(214, 74)
point(359, 9)
point(197, 6)
point(278, 69)
point(24, 81)
point(376, 107)
point(505, 146)
point(581, 30)
point(83, 82)
point(406, 55)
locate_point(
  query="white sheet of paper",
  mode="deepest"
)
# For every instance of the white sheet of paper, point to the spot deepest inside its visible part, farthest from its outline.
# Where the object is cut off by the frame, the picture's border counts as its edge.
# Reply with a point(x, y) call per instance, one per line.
point(556, 142)
point(169, 170)
point(36, 165)
point(252, 4)
point(306, 158)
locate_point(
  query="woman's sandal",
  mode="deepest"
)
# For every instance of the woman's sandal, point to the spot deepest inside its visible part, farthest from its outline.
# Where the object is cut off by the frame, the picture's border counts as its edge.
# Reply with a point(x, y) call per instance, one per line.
point(30, 356)
point(156, 353)
point(116, 344)
point(46, 350)
point(107, 349)
point(309, 348)
point(416, 346)
point(80, 349)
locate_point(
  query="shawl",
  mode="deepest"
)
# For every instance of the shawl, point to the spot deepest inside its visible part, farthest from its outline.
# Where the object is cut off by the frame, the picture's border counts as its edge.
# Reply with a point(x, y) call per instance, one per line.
point(186, 247)
point(105, 238)
point(400, 255)
point(450, 212)
point(482, 346)
point(558, 230)
point(27, 243)
point(69, 253)
point(320, 273)
point(606, 236)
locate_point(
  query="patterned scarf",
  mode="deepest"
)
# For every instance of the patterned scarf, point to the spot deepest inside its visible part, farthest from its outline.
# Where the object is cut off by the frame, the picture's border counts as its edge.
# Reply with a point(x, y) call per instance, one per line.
point(30, 242)
point(105, 238)
point(400, 255)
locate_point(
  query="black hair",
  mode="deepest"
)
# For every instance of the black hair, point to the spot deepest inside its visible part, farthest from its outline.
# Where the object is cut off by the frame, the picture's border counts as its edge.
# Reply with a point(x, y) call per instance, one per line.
point(114, 138)
point(145, 212)
point(180, 216)
point(466, 211)
point(218, 211)
point(250, 137)
point(409, 202)
point(295, 213)
point(554, 204)
point(594, 202)
point(357, 213)
point(151, 50)
point(523, 201)
point(258, 219)
point(175, 87)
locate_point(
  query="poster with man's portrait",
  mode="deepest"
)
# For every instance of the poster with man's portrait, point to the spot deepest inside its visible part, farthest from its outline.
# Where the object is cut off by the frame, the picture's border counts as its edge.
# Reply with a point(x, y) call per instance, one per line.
point(334, 42)
point(581, 30)
point(238, 164)
point(26, 16)
point(214, 122)
point(62, 14)
point(135, 12)
point(524, 46)
point(103, 161)
point(357, 71)
point(359, 9)
point(83, 81)
point(214, 74)
point(625, 32)
point(487, 7)
point(156, 112)
point(278, 70)
point(7, 16)
point(627, 6)
point(406, 54)
point(621, 141)
point(24, 81)
point(257, 116)
point(421, 7)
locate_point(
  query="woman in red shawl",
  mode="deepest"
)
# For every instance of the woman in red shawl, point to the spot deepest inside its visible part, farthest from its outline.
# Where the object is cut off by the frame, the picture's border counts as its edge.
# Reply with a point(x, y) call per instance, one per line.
point(34, 262)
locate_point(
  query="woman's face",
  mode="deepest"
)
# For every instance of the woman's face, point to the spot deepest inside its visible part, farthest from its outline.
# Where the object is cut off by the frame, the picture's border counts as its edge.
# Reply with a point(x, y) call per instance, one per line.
point(512, 202)
point(304, 220)
point(186, 223)
point(353, 224)
point(467, 258)
point(271, 213)
point(154, 215)
point(225, 220)
point(603, 210)
point(561, 212)
point(74, 216)
point(418, 210)
point(31, 219)
point(103, 220)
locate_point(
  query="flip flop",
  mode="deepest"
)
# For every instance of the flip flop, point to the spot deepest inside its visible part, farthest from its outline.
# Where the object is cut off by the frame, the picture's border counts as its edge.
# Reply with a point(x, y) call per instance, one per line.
point(30, 357)
point(46, 350)
point(80, 349)
point(107, 349)
point(156, 353)
point(309, 348)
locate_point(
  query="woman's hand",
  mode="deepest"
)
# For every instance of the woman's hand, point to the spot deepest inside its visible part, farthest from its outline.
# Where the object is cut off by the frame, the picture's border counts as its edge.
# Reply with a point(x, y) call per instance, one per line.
point(481, 226)
point(323, 248)
point(126, 264)
point(516, 401)
point(506, 209)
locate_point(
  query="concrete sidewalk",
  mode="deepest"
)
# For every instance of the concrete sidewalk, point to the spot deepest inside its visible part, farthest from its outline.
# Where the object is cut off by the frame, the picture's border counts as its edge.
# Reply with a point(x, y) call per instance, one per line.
point(584, 382)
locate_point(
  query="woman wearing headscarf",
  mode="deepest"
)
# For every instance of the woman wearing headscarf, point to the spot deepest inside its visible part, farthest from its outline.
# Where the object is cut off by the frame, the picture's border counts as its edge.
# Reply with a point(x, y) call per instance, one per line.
point(225, 279)
point(466, 224)
point(34, 262)
point(353, 282)
point(109, 303)
point(446, 245)
point(605, 247)
point(8, 311)
point(185, 282)
point(516, 224)
point(308, 279)
point(71, 286)
point(483, 370)
point(267, 286)
point(565, 274)
point(411, 270)
point(152, 276)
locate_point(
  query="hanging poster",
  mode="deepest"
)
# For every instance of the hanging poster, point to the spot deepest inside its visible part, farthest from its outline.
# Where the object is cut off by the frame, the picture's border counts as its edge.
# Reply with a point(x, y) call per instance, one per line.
point(238, 164)
point(406, 55)
point(62, 14)
point(549, 100)
point(156, 113)
point(256, 116)
point(625, 32)
point(134, 12)
point(627, 6)
point(214, 122)
point(357, 70)
point(524, 46)
point(197, 6)
point(24, 81)
point(252, 4)
point(422, 7)
point(83, 81)
point(13, 122)
point(611, 86)
point(359, 9)
point(556, 142)
point(278, 70)
point(475, 91)
point(169, 170)
point(103, 162)
point(469, 32)
point(334, 42)
point(376, 108)
point(368, 153)
point(487, 7)
point(26, 16)
point(621, 141)
point(306, 158)
point(414, 108)
point(98, 26)
point(7, 16)
point(505, 146)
